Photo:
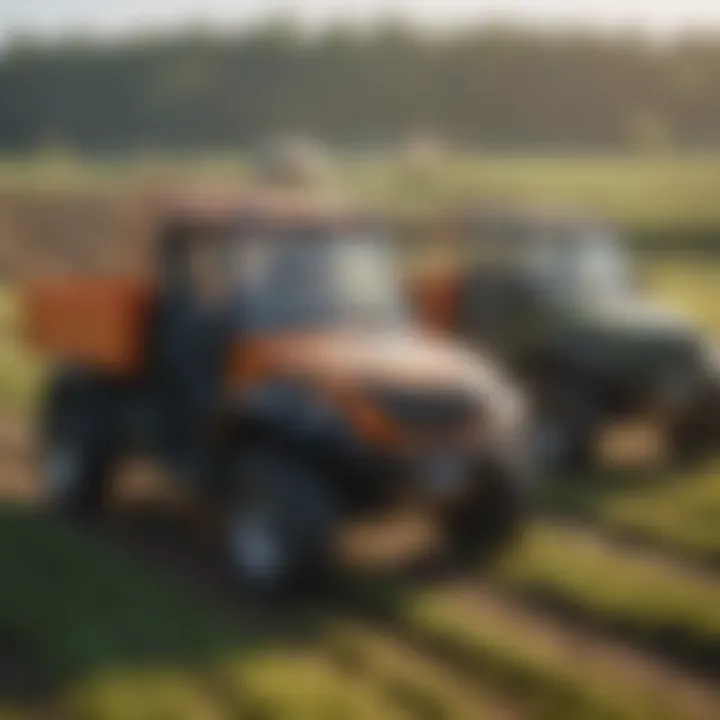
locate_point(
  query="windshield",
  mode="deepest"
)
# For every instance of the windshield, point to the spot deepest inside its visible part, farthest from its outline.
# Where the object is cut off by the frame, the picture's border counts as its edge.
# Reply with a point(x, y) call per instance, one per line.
point(573, 261)
point(300, 281)
point(600, 265)
point(592, 265)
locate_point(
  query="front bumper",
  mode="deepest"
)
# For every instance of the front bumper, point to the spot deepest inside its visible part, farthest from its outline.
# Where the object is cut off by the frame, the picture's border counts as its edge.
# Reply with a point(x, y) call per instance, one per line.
point(429, 475)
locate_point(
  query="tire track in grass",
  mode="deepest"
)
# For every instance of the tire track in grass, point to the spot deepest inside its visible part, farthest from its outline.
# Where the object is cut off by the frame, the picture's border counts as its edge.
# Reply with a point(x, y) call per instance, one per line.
point(678, 515)
point(428, 688)
point(650, 541)
point(546, 680)
point(623, 667)
point(273, 676)
point(451, 629)
point(640, 596)
point(171, 541)
point(551, 670)
point(392, 669)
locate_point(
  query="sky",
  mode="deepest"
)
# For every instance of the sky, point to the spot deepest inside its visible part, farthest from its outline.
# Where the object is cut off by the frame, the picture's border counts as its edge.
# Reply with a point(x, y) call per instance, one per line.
point(111, 17)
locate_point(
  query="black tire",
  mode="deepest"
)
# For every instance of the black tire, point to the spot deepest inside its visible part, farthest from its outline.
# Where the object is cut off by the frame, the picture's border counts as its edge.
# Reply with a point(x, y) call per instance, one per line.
point(491, 519)
point(75, 455)
point(279, 523)
point(580, 454)
point(570, 425)
point(692, 438)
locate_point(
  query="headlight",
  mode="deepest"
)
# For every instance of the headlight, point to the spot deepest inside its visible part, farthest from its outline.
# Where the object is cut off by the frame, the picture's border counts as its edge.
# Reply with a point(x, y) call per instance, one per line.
point(510, 409)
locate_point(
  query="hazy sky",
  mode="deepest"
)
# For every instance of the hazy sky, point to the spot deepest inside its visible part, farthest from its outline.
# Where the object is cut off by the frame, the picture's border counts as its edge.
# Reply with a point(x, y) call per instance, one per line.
point(62, 16)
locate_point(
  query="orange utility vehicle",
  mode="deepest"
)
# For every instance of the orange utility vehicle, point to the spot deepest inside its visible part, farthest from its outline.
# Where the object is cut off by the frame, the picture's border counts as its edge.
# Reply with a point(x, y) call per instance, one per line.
point(270, 362)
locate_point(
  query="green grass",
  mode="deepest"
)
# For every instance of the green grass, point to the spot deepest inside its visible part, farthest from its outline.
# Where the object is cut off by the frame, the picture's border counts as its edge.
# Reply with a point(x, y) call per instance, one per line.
point(426, 687)
point(680, 513)
point(619, 590)
point(638, 191)
point(114, 642)
point(20, 371)
point(118, 643)
point(547, 679)
point(690, 285)
point(81, 605)
point(68, 175)
point(121, 644)
point(641, 191)
point(685, 514)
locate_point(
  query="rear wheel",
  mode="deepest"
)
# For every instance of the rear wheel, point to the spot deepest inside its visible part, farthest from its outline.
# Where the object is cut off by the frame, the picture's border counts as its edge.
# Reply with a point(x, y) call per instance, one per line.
point(694, 435)
point(278, 529)
point(75, 457)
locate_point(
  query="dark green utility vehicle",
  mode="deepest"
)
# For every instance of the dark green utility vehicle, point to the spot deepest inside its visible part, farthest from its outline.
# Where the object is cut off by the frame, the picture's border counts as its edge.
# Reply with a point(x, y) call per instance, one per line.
point(558, 299)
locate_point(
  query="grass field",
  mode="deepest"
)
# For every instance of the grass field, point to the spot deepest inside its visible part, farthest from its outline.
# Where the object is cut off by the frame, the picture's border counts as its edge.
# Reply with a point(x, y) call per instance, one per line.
point(640, 191)
point(688, 285)
point(114, 640)
point(136, 620)
point(20, 372)
point(618, 588)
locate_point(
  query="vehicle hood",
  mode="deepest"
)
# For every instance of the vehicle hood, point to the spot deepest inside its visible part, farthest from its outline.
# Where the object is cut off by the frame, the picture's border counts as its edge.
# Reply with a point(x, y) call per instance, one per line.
point(630, 333)
point(638, 318)
point(355, 358)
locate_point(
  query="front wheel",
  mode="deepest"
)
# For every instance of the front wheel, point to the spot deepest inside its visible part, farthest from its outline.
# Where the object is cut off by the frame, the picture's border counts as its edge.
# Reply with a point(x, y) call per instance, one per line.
point(567, 431)
point(491, 519)
point(278, 529)
point(694, 436)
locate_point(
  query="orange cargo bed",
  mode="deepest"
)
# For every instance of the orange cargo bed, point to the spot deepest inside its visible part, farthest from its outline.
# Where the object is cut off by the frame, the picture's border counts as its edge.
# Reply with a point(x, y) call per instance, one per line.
point(97, 321)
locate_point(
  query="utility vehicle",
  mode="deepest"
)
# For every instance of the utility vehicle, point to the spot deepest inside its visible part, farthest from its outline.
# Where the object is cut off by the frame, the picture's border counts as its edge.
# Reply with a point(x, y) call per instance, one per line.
point(554, 296)
point(271, 363)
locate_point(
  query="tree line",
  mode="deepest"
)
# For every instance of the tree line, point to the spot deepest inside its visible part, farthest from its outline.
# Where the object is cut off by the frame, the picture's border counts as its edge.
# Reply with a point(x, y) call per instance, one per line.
point(493, 87)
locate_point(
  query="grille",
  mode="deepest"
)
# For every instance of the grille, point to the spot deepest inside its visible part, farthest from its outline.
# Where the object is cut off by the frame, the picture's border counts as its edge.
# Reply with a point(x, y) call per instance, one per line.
point(429, 410)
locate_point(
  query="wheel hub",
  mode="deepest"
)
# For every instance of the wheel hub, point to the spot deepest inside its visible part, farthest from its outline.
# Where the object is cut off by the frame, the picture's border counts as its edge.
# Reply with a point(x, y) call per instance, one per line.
point(61, 471)
point(256, 546)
